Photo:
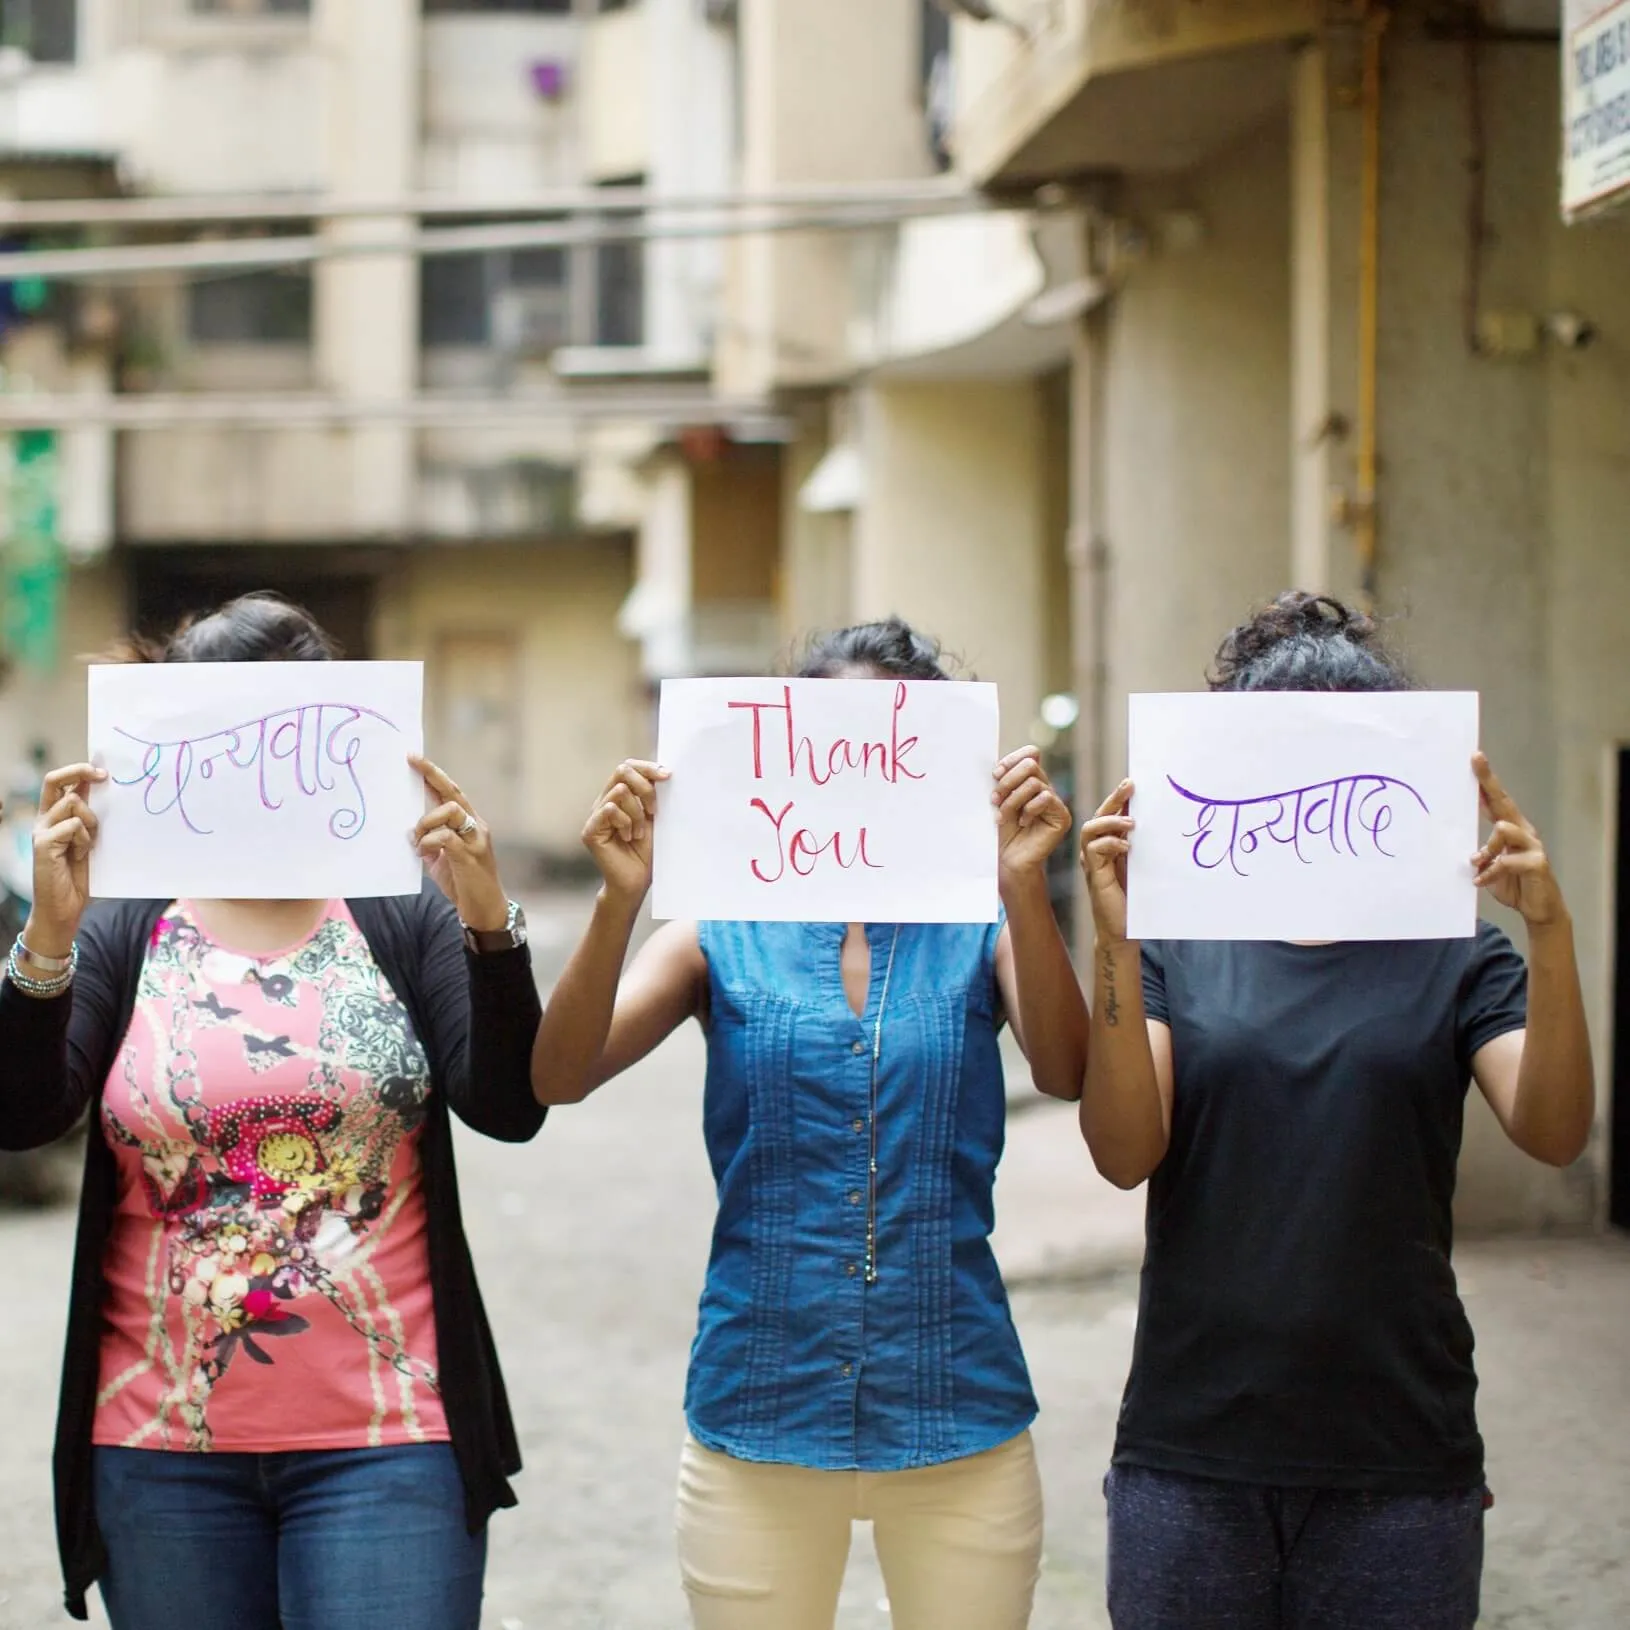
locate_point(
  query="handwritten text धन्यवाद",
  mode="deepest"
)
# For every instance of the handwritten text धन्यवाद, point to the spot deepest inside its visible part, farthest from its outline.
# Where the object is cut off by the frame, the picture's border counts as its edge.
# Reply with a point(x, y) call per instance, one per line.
point(307, 739)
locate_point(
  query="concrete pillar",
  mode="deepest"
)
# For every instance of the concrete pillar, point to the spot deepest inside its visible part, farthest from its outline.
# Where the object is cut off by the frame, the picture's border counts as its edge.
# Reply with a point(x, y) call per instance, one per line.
point(1312, 426)
point(367, 328)
point(1088, 552)
point(1326, 210)
point(692, 121)
point(951, 530)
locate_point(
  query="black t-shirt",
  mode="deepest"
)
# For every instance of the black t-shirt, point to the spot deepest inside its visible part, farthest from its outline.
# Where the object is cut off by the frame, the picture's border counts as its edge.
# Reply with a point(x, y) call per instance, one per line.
point(1299, 1322)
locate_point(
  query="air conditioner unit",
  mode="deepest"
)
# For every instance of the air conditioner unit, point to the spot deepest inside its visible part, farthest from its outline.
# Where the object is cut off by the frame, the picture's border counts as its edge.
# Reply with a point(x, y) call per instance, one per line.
point(723, 12)
point(529, 322)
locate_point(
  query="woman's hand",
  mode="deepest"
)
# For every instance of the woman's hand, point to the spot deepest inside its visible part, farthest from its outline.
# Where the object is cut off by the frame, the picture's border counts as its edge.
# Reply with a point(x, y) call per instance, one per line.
point(618, 833)
point(1105, 844)
point(1031, 818)
point(1513, 865)
point(455, 844)
point(64, 834)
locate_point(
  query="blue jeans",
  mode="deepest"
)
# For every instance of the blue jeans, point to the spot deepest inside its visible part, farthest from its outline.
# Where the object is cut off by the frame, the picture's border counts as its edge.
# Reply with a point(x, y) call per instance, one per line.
point(340, 1539)
point(1190, 1554)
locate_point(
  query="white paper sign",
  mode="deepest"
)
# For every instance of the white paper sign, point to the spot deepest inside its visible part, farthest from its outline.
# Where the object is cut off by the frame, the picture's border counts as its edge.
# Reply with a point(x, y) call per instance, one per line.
point(256, 780)
point(826, 800)
point(1595, 105)
point(1293, 815)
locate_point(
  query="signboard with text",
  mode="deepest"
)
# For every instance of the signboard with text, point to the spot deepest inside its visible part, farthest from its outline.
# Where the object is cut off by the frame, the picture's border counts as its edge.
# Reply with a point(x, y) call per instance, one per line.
point(1302, 815)
point(826, 800)
point(1595, 105)
point(256, 780)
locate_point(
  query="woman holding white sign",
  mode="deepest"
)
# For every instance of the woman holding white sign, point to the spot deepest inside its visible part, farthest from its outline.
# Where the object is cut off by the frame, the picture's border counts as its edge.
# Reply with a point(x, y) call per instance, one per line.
point(856, 1358)
point(280, 1391)
point(1298, 1446)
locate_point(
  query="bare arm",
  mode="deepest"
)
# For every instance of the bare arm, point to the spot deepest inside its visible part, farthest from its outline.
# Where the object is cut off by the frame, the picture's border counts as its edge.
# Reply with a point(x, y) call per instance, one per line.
point(597, 1022)
point(1540, 1082)
point(1041, 995)
point(1126, 1105)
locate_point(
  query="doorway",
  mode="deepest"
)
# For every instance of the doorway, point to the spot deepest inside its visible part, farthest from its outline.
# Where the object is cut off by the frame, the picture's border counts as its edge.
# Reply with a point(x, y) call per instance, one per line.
point(167, 585)
point(1619, 1125)
point(478, 721)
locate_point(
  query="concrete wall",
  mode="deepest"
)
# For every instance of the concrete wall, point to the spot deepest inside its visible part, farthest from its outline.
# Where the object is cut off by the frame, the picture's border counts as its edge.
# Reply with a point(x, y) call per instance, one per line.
point(693, 113)
point(1194, 454)
point(951, 533)
point(579, 708)
point(485, 128)
point(216, 117)
point(220, 485)
point(830, 93)
point(1502, 485)
point(818, 547)
point(617, 85)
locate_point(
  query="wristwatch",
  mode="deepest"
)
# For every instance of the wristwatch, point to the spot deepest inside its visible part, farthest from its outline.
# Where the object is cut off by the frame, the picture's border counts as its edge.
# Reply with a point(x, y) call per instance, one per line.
point(508, 938)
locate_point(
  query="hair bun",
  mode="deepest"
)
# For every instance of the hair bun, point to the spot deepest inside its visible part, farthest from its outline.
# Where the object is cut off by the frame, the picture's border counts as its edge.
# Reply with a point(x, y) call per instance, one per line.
point(1303, 641)
point(1324, 614)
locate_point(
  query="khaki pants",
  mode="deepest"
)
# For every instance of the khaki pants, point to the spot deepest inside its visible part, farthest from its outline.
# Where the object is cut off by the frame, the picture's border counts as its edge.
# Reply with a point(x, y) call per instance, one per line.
point(764, 1547)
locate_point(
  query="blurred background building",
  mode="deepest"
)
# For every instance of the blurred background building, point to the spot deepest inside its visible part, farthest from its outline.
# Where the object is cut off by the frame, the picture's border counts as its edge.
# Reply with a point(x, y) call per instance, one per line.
point(586, 344)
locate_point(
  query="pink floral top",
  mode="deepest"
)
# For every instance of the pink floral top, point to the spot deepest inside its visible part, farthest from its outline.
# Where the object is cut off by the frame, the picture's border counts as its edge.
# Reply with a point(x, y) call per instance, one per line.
point(267, 1279)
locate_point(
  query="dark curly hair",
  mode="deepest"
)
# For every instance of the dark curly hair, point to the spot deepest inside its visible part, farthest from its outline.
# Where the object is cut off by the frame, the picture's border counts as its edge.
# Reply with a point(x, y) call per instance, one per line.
point(891, 647)
point(257, 627)
point(1307, 641)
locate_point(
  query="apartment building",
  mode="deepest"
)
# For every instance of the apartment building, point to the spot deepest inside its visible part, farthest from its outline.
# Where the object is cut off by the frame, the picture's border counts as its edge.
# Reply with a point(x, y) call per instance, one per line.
point(1266, 292)
point(443, 454)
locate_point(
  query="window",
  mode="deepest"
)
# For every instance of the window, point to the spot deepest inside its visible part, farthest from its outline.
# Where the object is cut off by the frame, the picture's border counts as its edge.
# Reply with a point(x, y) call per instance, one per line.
point(516, 299)
point(536, 8)
point(619, 284)
point(46, 30)
point(252, 308)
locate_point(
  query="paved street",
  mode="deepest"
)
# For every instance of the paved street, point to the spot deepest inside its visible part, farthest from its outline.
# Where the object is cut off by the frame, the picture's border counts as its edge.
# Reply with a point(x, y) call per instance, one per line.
point(591, 1244)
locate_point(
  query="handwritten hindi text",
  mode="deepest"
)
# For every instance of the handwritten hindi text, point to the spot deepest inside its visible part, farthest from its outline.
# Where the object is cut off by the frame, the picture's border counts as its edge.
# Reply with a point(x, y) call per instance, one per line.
point(1327, 810)
point(303, 751)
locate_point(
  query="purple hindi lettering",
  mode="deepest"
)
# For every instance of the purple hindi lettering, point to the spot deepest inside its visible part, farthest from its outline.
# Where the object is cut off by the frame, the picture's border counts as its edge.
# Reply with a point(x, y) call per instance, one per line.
point(1343, 812)
point(297, 751)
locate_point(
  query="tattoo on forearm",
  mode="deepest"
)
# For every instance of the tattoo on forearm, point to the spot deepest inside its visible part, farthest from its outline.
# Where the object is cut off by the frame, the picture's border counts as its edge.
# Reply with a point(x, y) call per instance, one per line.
point(1112, 1004)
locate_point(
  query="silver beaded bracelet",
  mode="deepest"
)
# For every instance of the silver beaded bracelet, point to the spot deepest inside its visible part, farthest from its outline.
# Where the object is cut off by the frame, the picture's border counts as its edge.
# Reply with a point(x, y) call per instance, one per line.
point(29, 985)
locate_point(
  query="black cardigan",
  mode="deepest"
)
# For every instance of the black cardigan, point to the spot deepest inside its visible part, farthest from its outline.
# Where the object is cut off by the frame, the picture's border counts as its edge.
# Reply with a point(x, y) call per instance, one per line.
point(476, 1017)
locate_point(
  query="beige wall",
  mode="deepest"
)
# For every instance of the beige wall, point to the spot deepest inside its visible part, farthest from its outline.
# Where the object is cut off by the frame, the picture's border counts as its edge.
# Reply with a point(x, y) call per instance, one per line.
point(1503, 482)
point(1504, 486)
point(1194, 452)
point(830, 92)
point(951, 533)
point(580, 706)
point(818, 592)
point(51, 707)
point(616, 94)
point(485, 130)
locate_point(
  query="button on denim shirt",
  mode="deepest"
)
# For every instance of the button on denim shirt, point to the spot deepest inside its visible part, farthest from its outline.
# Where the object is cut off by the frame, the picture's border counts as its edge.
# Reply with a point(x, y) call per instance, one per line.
point(798, 1360)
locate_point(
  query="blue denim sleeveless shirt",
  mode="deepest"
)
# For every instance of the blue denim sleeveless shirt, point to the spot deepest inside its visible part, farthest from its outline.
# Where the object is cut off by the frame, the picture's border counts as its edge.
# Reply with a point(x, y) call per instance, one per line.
point(797, 1358)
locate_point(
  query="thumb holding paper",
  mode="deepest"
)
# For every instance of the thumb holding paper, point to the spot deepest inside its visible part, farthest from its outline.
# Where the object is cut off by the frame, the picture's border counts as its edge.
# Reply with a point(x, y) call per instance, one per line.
point(618, 834)
point(64, 835)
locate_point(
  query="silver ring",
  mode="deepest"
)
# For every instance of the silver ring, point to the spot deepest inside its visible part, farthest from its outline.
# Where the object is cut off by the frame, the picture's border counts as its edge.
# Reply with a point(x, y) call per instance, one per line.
point(468, 827)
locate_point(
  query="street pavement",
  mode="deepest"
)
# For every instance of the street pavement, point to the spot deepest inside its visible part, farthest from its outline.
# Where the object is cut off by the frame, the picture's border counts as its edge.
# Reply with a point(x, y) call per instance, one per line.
point(591, 1244)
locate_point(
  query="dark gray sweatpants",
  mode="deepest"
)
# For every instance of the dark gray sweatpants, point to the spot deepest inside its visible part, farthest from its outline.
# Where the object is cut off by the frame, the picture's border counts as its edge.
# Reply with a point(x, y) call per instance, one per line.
point(1187, 1553)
